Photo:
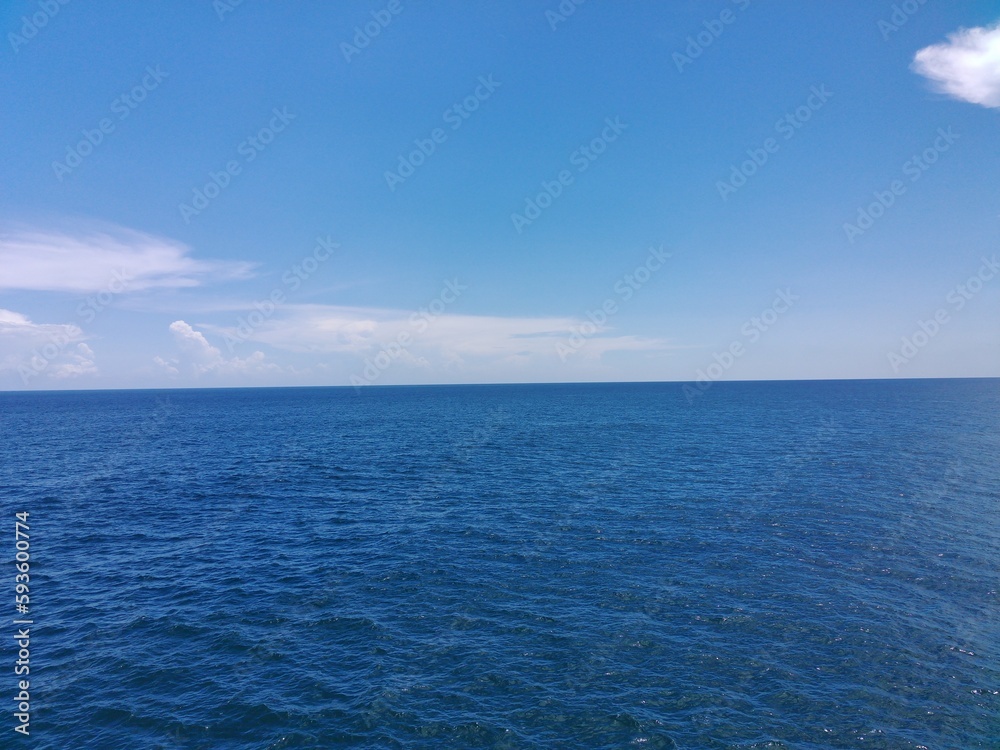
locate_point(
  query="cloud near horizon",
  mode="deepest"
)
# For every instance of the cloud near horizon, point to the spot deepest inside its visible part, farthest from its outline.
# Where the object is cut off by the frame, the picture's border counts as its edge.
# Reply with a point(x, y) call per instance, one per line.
point(114, 259)
point(966, 67)
point(449, 339)
point(52, 350)
point(198, 357)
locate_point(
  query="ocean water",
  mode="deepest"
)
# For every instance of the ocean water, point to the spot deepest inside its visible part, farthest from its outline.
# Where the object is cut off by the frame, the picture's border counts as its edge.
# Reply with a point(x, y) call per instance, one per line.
point(776, 565)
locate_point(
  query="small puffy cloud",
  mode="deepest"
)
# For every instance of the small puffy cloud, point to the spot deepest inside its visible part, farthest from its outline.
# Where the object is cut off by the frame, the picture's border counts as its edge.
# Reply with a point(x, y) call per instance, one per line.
point(93, 261)
point(78, 361)
point(194, 343)
point(966, 67)
point(199, 357)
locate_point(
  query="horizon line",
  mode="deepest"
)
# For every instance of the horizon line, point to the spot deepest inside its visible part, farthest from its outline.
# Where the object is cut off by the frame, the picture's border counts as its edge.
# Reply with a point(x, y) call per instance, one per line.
point(459, 385)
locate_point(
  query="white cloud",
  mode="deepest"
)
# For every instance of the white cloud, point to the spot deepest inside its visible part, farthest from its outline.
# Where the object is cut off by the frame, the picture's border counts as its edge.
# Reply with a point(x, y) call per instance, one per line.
point(200, 357)
point(107, 258)
point(449, 340)
point(54, 350)
point(18, 332)
point(194, 343)
point(167, 366)
point(966, 67)
point(78, 361)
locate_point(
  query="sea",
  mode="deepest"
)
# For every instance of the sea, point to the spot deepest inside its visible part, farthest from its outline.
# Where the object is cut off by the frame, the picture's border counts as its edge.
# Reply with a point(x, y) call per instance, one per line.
point(755, 565)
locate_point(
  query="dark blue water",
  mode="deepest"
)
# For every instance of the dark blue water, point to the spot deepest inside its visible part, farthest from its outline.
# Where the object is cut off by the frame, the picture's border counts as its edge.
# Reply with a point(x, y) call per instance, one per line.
point(778, 565)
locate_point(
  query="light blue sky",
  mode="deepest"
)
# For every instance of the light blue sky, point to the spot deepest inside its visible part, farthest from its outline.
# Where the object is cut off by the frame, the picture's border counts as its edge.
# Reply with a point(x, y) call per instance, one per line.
point(507, 299)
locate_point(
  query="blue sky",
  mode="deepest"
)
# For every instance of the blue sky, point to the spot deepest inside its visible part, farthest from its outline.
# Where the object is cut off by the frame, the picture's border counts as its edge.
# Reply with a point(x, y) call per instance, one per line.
point(704, 159)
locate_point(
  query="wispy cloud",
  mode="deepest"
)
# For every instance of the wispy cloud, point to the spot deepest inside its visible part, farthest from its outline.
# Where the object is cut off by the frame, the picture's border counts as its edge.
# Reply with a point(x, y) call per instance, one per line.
point(449, 337)
point(90, 261)
point(966, 67)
